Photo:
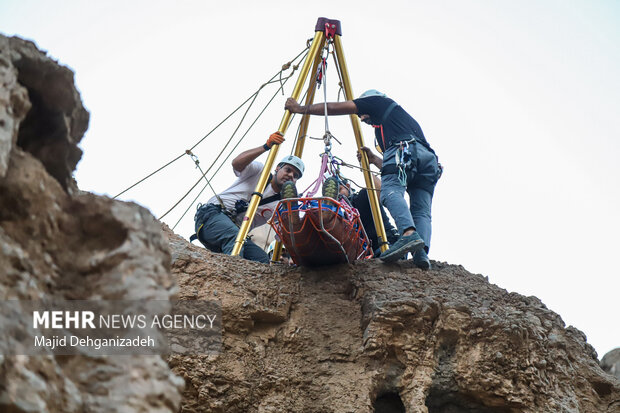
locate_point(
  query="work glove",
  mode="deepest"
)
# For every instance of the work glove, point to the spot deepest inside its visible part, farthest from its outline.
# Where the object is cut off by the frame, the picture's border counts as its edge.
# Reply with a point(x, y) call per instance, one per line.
point(274, 138)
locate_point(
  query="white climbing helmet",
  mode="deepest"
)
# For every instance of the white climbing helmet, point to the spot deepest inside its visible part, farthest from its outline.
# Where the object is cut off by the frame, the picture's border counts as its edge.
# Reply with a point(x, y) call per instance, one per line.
point(294, 161)
point(272, 246)
point(372, 92)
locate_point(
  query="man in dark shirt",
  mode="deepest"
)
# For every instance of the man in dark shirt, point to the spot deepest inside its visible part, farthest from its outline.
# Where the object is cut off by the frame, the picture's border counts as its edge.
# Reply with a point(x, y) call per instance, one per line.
point(408, 164)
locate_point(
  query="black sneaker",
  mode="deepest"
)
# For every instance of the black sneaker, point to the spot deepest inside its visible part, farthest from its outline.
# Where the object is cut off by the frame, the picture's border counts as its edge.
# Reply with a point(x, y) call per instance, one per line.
point(331, 187)
point(406, 243)
point(289, 190)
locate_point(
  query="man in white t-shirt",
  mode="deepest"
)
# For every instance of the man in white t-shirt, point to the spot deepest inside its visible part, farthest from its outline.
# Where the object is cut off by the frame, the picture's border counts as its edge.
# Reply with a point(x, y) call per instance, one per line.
point(214, 224)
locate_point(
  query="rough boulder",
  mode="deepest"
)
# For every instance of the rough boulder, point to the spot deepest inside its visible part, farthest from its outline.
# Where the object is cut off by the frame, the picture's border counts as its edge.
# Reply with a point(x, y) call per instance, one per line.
point(387, 338)
point(56, 241)
point(611, 362)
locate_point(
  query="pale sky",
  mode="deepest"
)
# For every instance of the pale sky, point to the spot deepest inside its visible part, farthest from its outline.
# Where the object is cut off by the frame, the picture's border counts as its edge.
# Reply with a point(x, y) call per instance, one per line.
point(520, 99)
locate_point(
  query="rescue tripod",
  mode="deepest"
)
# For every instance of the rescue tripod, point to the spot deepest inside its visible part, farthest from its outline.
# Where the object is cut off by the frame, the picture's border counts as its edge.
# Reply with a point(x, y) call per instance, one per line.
point(326, 30)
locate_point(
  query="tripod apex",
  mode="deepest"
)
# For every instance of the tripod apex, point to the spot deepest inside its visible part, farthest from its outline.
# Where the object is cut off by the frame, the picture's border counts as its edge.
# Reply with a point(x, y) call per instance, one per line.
point(334, 25)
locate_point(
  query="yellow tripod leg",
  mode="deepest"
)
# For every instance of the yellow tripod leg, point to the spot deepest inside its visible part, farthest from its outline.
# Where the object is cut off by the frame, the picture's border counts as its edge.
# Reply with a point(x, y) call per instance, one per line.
point(273, 152)
point(305, 120)
point(359, 139)
point(303, 129)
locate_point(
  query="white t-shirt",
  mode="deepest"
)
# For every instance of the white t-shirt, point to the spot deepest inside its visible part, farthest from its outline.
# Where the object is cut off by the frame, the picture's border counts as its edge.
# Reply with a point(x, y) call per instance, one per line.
point(243, 188)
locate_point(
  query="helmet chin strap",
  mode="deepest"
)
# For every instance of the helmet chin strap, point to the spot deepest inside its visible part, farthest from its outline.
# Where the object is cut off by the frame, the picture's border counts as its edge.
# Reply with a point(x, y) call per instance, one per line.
point(275, 185)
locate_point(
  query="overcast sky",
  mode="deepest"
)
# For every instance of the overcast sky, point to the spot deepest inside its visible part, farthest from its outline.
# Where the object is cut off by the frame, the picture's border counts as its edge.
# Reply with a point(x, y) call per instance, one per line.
point(520, 99)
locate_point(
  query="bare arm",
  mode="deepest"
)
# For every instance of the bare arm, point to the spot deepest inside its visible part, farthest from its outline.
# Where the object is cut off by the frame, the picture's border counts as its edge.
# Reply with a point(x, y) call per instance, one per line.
point(333, 108)
point(372, 158)
point(376, 161)
point(245, 158)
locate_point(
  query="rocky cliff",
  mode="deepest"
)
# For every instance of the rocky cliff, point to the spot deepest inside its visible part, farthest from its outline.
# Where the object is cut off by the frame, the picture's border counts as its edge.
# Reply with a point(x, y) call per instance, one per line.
point(373, 337)
point(352, 338)
point(611, 363)
point(56, 241)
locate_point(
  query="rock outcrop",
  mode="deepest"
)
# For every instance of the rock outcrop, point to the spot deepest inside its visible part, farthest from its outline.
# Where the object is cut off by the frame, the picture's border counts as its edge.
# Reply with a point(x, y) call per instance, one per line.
point(611, 363)
point(373, 337)
point(56, 241)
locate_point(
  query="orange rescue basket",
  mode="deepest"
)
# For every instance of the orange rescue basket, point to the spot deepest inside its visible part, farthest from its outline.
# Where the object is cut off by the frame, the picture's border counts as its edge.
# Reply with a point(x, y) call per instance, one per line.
point(320, 231)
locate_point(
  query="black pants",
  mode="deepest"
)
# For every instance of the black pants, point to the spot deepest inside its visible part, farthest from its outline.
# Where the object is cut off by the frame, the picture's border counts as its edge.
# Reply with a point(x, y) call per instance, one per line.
point(361, 202)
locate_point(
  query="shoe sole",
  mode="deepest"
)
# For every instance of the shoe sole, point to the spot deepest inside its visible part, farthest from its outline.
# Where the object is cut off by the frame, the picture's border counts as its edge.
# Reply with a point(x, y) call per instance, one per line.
point(330, 188)
point(288, 191)
point(412, 246)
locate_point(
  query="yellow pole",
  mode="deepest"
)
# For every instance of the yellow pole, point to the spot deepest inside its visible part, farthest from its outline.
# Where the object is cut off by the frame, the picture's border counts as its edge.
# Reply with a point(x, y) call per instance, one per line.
point(303, 129)
point(319, 37)
point(277, 252)
point(305, 120)
point(359, 139)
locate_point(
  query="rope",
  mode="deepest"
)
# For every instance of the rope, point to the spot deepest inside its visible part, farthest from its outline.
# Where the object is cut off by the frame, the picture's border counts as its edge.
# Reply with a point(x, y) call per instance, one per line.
point(149, 175)
point(328, 161)
point(197, 162)
point(298, 127)
point(223, 162)
point(326, 158)
point(296, 138)
point(253, 96)
point(339, 71)
point(322, 77)
point(348, 165)
point(363, 187)
point(343, 163)
point(267, 237)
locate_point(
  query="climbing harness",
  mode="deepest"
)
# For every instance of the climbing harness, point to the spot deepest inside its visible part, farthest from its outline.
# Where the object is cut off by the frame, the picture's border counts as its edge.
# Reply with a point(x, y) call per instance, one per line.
point(241, 205)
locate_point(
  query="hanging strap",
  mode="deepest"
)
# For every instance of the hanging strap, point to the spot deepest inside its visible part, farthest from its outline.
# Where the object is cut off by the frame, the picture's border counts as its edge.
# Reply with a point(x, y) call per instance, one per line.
point(383, 119)
point(388, 111)
point(263, 201)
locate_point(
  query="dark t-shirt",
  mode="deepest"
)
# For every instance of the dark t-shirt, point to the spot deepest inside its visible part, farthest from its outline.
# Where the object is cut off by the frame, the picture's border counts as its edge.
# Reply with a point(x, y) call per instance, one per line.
point(398, 126)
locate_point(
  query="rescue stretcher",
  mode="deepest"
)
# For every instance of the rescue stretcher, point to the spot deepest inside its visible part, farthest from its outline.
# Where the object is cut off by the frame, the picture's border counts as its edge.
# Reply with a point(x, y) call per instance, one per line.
point(321, 231)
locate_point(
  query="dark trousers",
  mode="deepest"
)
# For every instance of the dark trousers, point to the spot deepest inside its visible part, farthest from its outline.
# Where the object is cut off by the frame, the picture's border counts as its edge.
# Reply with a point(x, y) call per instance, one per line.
point(361, 202)
point(218, 234)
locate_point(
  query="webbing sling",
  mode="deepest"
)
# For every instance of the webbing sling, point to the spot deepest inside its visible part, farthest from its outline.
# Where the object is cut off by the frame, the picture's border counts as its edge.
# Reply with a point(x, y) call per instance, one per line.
point(388, 111)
